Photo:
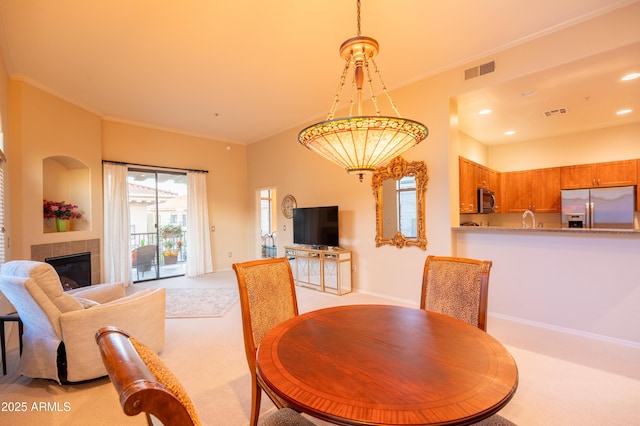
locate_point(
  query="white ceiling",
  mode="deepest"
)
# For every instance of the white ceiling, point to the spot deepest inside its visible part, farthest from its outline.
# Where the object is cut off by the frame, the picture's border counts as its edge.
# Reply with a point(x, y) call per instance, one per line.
point(589, 92)
point(243, 70)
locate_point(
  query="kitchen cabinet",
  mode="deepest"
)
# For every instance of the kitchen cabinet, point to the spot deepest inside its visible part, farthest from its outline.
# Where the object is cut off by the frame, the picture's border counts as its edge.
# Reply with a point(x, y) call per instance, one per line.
point(613, 173)
point(469, 176)
point(536, 190)
point(473, 176)
point(545, 190)
point(495, 184)
point(517, 191)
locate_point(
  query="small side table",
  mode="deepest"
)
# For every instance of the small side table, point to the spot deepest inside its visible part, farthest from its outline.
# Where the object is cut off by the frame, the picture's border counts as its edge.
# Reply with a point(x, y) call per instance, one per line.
point(13, 316)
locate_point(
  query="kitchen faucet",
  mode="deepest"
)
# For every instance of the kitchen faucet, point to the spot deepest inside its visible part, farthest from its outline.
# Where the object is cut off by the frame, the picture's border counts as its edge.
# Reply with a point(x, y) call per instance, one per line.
point(533, 219)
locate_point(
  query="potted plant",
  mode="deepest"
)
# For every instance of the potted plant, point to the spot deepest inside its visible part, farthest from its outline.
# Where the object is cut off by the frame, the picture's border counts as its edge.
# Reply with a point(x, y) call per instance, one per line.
point(61, 211)
point(171, 235)
point(170, 255)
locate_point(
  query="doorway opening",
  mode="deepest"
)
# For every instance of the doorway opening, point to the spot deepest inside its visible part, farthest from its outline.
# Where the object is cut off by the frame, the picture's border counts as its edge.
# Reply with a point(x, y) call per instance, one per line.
point(268, 235)
point(158, 216)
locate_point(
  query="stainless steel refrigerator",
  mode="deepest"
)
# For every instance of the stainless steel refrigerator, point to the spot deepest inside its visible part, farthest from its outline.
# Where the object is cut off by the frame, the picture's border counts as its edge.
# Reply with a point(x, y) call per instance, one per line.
point(599, 207)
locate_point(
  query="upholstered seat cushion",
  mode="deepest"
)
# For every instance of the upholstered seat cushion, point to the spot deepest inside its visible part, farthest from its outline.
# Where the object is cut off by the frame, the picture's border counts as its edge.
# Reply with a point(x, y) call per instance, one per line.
point(286, 417)
point(47, 279)
point(453, 288)
point(495, 420)
point(163, 375)
point(87, 303)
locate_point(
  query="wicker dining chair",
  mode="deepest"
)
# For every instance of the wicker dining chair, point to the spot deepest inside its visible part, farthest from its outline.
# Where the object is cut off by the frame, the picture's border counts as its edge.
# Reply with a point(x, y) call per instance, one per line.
point(267, 298)
point(457, 287)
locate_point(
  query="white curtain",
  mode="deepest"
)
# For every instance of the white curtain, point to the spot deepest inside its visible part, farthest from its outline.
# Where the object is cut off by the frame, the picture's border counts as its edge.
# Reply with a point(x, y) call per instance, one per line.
point(116, 254)
point(199, 260)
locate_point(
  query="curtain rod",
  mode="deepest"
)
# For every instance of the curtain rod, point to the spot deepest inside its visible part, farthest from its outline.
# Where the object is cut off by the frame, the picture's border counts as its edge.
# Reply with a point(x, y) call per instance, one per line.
point(155, 167)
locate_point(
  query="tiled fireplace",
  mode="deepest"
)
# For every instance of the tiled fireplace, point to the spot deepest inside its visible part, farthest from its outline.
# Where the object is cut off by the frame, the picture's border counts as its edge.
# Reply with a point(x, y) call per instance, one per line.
point(41, 252)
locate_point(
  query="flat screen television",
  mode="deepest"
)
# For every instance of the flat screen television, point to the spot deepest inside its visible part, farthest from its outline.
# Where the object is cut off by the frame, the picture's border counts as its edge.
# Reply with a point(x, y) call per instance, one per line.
point(316, 226)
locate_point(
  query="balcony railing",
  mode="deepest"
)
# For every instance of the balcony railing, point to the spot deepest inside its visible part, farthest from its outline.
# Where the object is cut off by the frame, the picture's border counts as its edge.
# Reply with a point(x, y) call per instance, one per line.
point(169, 265)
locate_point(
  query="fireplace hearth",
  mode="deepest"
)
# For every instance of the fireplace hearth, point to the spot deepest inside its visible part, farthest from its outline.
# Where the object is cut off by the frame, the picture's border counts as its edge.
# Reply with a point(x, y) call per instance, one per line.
point(74, 269)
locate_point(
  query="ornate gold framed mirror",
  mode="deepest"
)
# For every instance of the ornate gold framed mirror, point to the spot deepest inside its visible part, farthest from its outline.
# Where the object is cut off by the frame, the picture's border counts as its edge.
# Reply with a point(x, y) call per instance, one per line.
point(399, 189)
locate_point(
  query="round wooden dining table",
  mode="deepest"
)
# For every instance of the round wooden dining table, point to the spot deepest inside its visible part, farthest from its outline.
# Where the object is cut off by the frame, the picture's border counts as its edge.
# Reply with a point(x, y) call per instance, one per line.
point(387, 365)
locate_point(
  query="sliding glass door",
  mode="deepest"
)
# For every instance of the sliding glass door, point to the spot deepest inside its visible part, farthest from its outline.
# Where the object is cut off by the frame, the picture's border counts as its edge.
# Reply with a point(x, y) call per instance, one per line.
point(158, 214)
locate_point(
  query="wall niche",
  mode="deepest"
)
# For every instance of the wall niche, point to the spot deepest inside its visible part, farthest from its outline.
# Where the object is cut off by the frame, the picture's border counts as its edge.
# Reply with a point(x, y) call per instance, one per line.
point(67, 179)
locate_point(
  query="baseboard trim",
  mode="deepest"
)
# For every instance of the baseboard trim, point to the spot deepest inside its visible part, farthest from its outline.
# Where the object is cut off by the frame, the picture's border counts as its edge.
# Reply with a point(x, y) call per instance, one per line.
point(566, 330)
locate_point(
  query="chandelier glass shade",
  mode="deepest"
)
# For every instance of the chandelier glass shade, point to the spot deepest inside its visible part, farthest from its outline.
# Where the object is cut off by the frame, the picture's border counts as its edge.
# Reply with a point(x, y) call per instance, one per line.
point(361, 143)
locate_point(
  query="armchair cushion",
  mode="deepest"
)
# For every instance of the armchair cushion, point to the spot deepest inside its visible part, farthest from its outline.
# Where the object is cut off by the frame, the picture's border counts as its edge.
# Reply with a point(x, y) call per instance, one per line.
point(87, 303)
point(47, 278)
point(101, 293)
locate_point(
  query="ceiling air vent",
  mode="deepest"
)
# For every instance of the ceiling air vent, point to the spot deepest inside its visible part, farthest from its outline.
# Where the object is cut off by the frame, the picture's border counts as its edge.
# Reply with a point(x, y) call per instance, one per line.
point(479, 70)
point(555, 111)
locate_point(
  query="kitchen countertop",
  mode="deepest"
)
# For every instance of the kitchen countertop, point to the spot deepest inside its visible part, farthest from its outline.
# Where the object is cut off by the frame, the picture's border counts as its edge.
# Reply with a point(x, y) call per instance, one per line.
point(544, 230)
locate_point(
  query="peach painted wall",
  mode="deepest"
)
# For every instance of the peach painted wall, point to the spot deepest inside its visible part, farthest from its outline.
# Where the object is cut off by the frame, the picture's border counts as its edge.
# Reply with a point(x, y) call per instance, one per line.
point(226, 180)
point(41, 126)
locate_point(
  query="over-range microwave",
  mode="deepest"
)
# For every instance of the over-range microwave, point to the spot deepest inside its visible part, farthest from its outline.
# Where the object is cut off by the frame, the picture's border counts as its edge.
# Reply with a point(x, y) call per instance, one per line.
point(486, 201)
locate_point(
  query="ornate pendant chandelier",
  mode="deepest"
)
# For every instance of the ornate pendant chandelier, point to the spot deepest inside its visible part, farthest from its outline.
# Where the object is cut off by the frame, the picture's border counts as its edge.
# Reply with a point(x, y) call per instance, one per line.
point(361, 143)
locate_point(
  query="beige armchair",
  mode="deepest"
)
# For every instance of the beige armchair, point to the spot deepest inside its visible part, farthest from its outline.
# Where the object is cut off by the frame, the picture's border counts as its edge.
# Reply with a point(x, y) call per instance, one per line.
point(59, 327)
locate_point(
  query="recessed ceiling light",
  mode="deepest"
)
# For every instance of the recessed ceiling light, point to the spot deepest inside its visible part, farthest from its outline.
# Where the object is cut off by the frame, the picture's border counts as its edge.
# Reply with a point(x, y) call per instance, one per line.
point(510, 132)
point(485, 111)
point(624, 111)
point(631, 76)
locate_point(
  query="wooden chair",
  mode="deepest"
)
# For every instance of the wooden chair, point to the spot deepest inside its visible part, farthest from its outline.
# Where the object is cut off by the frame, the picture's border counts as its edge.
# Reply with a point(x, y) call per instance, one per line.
point(457, 287)
point(267, 298)
point(143, 381)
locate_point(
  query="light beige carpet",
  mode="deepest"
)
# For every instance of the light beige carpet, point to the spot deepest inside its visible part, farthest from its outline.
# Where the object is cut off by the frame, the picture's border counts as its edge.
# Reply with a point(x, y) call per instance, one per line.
point(565, 379)
point(199, 302)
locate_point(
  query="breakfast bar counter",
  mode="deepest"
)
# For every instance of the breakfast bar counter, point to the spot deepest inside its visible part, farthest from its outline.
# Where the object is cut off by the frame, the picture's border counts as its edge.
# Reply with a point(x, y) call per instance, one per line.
point(556, 231)
point(582, 281)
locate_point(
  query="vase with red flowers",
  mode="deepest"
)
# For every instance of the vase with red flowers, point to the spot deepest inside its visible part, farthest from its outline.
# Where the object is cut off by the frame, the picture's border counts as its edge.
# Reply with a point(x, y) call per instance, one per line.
point(62, 212)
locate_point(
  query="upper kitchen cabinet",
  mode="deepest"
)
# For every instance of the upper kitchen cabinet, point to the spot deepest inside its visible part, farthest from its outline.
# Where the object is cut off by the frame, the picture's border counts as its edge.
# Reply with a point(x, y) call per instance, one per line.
point(517, 191)
point(536, 190)
point(613, 173)
point(469, 175)
point(473, 176)
point(545, 190)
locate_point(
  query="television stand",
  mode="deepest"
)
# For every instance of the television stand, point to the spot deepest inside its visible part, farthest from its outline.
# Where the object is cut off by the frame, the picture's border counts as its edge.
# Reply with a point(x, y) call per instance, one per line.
point(327, 270)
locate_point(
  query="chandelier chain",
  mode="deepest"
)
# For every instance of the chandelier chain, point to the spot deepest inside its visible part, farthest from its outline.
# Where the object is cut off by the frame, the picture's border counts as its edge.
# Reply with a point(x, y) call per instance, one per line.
point(338, 95)
point(354, 95)
point(384, 87)
point(374, 100)
point(358, 18)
